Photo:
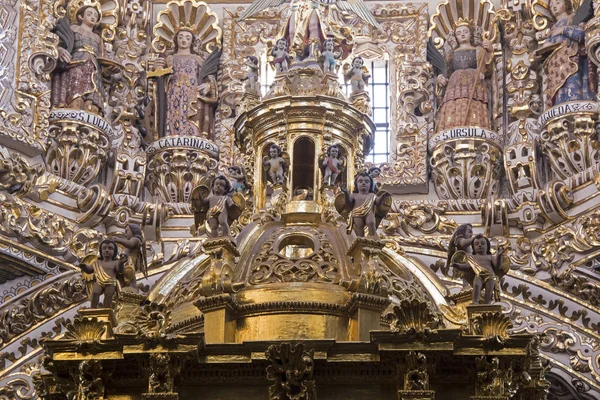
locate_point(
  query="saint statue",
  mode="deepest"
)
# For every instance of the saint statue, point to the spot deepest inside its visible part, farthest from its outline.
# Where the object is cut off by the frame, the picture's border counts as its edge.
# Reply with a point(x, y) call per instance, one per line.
point(191, 94)
point(569, 74)
point(467, 60)
point(77, 79)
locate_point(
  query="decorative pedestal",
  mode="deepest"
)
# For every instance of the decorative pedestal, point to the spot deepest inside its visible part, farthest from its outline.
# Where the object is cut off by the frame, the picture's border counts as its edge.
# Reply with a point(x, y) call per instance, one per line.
point(362, 102)
point(128, 306)
point(219, 318)
point(569, 137)
point(177, 164)
point(102, 319)
point(80, 146)
point(466, 163)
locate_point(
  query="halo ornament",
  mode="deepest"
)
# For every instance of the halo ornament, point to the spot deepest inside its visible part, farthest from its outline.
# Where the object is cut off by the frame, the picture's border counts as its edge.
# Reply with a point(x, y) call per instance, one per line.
point(108, 10)
point(450, 15)
point(190, 15)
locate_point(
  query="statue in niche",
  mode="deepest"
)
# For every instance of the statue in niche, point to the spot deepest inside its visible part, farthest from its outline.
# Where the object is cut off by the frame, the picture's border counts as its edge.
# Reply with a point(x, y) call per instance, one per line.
point(569, 74)
point(103, 274)
point(135, 251)
point(240, 185)
point(332, 165)
point(77, 79)
point(251, 81)
point(330, 56)
point(191, 94)
point(215, 209)
point(481, 269)
point(275, 165)
point(357, 75)
point(363, 208)
point(309, 23)
point(281, 57)
point(468, 60)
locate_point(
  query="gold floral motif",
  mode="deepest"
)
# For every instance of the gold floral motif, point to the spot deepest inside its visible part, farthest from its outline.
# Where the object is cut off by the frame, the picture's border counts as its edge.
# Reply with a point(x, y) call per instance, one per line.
point(291, 372)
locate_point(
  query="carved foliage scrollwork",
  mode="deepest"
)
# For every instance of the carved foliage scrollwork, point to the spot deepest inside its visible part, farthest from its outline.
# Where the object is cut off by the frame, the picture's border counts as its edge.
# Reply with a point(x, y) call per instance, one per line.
point(271, 266)
point(291, 371)
point(466, 170)
point(18, 318)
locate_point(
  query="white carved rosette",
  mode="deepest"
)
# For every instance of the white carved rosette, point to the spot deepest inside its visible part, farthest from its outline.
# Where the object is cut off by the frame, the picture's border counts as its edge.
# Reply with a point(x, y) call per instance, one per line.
point(466, 163)
point(177, 164)
point(569, 137)
point(80, 145)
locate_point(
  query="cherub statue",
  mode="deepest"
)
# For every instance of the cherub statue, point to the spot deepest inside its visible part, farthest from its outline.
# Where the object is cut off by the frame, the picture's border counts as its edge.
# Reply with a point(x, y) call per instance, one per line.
point(276, 165)
point(215, 208)
point(363, 207)
point(375, 172)
point(483, 270)
point(103, 274)
point(281, 55)
point(251, 81)
point(332, 165)
point(135, 247)
point(357, 75)
point(239, 179)
point(330, 56)
point(461, 240)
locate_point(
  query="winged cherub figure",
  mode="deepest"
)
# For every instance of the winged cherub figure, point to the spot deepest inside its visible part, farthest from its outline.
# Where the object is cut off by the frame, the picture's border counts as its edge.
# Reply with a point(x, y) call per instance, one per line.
point(215, 207)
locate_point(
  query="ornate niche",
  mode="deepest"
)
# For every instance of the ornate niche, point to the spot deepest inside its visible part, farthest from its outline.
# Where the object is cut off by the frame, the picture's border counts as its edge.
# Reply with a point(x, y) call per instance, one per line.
point(184, 90)
point(568, 124)
point(80, 136)
point(465, 149)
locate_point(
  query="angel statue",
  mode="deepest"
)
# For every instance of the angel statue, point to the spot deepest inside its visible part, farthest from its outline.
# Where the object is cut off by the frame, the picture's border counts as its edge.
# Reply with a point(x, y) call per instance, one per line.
point(467, 60)
point(331, 165)
point(308, 24)
point(569, 73)
point(215, 209)
point(77, 79)
point(357, 75)
point(102, 273)
point(481, 269)
point(191, 94)
point(135, 250)
point(363, 208)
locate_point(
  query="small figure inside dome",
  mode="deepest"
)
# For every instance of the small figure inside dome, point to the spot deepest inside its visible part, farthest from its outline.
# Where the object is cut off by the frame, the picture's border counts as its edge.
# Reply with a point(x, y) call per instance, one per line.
point(330, 56)
point(214, 208)
point(357, 75)
point(103, 274)
point(251, 81)
point(332, 165)
point(276, 165)
point(363, 208)
point(281, 55)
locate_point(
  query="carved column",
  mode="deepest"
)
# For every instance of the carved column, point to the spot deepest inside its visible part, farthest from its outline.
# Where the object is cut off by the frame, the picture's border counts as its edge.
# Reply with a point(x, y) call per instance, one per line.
point(521, 155)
